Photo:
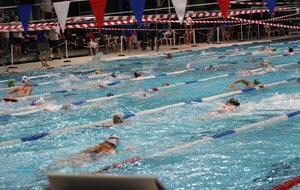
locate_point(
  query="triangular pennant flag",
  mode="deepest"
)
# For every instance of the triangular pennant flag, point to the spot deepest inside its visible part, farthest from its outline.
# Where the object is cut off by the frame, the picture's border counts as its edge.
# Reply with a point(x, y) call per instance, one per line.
point(137, 7)
point(271, 6)
point(224, 5)
point(98, 7)
point(180, 6)
point(24, 13)
point(62, 9)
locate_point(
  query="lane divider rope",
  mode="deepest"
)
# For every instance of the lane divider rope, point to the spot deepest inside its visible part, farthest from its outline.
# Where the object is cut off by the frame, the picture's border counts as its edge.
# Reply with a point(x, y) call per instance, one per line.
point(154, 110)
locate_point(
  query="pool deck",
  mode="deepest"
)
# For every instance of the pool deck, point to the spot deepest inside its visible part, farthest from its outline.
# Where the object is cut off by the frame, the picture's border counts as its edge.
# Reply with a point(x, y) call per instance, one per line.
point(135, 53)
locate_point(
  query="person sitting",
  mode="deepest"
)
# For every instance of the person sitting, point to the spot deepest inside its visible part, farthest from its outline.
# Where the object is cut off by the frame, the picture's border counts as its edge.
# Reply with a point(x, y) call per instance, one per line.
point(20, 91)
point(137, 74)
point(229, 105)
point(248, 83)
point(108, 146)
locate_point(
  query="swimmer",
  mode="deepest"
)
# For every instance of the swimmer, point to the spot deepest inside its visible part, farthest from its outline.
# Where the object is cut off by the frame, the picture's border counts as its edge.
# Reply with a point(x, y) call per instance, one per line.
point(137, 74)
point(20, 91)
point(168, 56)
point(289, 52)
point(267, 65)
point(115, 74)
point(65, 106)
point(165, 84)
point(248, 83)
point(8, 71)
point(209, 67)
point(188, 66)
point(230, 105)
point(109, 94)
point(99, 72)
point(108, 146)
point(118, 118)
point(268, 49)
point(298, 79)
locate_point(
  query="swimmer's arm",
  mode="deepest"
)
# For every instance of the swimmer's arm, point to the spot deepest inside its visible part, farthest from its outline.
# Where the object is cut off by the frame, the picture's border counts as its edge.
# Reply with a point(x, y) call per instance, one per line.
point(90, 149)
point(28, 92)
point(13, 91)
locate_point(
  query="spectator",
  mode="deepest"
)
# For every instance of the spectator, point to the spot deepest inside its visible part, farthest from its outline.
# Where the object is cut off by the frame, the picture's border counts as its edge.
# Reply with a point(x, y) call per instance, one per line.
point(43, 46)
point(17, 39)
point(188, 30)
point(54, 42)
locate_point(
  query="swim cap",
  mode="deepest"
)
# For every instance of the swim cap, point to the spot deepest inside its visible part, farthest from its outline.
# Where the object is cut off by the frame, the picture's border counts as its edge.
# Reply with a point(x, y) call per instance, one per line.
point(25, 79)
point(118, 118)
point(11, 83)
point(256, 81)
point(114, 139)
point(109, 94)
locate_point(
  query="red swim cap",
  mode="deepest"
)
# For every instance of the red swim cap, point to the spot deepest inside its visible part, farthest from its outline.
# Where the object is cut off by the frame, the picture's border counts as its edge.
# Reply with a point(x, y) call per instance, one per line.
point(155, 89)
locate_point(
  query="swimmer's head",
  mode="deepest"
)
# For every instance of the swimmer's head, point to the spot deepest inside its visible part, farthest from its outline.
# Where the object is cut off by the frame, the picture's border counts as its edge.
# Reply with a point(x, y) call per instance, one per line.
point(137, 74)
point(38, 101)
point(233, 102)
point(169, 55)
point(265, 62)
point(256, 81)
point(118, 118)
point(114, 139)
point(11, 83)
point(26, 80)
point(109, 94)
point(66, 106)
point(165, 84)
point(291, 49)
point(298, 79)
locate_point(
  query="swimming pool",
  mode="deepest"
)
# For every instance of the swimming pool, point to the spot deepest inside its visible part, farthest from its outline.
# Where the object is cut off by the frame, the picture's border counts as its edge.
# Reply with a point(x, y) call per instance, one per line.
point(166, 127)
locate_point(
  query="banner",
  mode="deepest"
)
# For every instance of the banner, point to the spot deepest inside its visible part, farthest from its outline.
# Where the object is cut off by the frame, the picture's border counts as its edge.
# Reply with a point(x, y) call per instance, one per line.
point(24, 13)
point(180, 6)
point(98, 7)
point(137, 7)
point(271, 4)
point(61, 9)
point(224, 5)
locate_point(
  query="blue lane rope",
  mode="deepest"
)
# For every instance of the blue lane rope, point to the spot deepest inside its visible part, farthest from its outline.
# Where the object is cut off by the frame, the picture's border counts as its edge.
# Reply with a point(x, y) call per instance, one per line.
point(199, 100)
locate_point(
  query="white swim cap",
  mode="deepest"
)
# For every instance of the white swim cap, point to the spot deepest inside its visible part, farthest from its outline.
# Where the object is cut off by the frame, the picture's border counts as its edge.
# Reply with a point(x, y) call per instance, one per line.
point(114, 139)
point(120, 115)
point(25, 79)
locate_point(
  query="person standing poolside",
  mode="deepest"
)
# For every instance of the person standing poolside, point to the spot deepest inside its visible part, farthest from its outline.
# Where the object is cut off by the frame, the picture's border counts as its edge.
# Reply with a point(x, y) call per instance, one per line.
point(54, 41)
point(43, 46)
point(20, 91)
point(248, 83)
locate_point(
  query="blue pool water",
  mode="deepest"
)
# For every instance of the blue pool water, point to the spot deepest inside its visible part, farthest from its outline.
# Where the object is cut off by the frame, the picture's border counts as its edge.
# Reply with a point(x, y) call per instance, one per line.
point(257, 158)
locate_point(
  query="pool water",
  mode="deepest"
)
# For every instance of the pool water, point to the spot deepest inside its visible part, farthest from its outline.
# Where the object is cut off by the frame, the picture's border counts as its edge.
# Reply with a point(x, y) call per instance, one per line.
point(257, 158)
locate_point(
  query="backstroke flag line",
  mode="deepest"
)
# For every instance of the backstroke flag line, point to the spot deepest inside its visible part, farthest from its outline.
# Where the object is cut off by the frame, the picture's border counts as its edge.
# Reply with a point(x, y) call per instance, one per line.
point(61, 9)
point(137, 7)
point(24, 13)
point(271, 4)
point(224, 6)
point(98, 7)
point(180, 6)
